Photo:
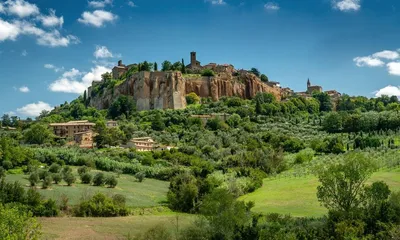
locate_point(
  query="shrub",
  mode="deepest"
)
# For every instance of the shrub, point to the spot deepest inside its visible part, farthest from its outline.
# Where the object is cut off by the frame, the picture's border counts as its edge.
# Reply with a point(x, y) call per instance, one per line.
point(34, 179)
point(66, 170)
point(192, 98)
point(207, 73)
point(304, 155)
point(56, 177)
point(2, 172)
point(55, 168)
point(7, 164)
point(69, 179)
point(111, 181)
point(140, 176)
point(43, 174)
point(99, 179)
point(47, 182)
point(83, 170)
point(86, 178)
point(100, 206)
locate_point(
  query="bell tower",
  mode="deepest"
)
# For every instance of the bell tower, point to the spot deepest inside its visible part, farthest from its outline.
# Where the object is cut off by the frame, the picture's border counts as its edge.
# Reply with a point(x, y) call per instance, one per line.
point(193, 59)
point(308, 83)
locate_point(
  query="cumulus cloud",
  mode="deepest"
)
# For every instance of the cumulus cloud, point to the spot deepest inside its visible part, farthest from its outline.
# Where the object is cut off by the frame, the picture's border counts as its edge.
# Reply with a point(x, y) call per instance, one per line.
point(100, 4)
point(71, 74)
point(216, 2)
point(386, 54)
point(98, 18)
point(68, 82)
point(271, 6)
point(102, 52)
point(51, 20)
point(34, 109)
point(24, 89)
point(394, 68)
point(388, 91)
point(11, 30)
point(346, 5)
point(21, 8)
point(368, 62)
point(8, 31)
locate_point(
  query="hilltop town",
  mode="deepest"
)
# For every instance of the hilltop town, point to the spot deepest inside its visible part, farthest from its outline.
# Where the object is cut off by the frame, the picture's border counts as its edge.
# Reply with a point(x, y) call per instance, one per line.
point(167, 89)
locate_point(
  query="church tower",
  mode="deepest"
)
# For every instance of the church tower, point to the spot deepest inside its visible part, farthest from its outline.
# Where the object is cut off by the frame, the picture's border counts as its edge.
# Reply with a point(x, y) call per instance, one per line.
point(308, 83)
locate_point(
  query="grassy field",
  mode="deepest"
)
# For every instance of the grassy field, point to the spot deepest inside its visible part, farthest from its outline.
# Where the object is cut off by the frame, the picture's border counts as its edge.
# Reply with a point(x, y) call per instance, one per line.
point(297, 196)
point(148, 193)
point(109, 228)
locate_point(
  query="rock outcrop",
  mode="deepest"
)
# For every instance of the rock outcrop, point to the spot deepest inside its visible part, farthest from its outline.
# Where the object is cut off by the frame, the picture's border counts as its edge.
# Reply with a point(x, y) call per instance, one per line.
point(167, 90)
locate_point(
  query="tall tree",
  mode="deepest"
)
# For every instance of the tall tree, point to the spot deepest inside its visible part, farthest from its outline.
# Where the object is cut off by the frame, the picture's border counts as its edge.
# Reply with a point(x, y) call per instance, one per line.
point(166, 66)
point(255, 71)
point(155, 66)
point(183, 66)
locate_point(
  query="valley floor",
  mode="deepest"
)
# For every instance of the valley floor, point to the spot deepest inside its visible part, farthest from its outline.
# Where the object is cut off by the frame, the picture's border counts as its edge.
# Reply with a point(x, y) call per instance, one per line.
point(109, 228)
point(297, 195)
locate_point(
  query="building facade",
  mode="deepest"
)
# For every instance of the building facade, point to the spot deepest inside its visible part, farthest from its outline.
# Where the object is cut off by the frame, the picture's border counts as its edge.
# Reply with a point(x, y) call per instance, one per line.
point(69, 129)
point(144, 144)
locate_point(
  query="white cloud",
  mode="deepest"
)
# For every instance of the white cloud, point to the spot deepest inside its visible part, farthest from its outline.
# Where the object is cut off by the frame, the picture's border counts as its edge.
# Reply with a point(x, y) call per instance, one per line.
point(386, 54)
point(24, 53)
point(272, 6)
point(100, 4)
point(216, 2)
point(131, 4)
point(24, 89)
point(388, 91)
point(347, 5)
point(1, 8)
point(98, 18)
point(368, 62)
point(102, 52)
point(394, 68)
point(51, 20)
point(51, 66)
point(72, 74)
point(8, 31)
point(21, 8)
point(68, 84)
point(34, 109)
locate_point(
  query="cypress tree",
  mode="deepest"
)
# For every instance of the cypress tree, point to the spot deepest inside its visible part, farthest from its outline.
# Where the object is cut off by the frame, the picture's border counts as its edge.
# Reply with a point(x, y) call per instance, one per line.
point(183, 66)
point(155, 66)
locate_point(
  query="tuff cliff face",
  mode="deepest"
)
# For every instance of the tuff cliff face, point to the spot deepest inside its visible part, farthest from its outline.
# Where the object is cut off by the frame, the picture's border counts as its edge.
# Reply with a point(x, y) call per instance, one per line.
point(167, 90)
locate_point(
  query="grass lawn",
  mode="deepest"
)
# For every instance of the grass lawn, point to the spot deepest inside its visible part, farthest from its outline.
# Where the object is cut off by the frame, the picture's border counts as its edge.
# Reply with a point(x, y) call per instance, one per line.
point(297, 196)
point(148, 193)
point(109, 228)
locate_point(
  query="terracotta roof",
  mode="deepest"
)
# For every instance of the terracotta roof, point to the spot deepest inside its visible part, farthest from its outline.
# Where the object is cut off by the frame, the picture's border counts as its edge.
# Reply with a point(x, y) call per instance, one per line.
point(73, 123)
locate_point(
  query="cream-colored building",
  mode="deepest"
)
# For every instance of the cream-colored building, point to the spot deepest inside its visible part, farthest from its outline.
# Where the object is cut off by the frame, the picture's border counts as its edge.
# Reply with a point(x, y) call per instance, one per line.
point(143, 144)
point(111, 124)
point(84, 139)
point(69, 129)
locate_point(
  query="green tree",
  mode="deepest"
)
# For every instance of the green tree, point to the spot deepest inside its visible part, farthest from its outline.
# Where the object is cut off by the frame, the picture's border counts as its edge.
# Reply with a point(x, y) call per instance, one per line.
point(192, 98)
point(33, 179)
point(86, 178)
point(158, 124)
point(111, 181)
point(155, 66)
point(225, 214)
point(255, 71)
point(342, 183)
point(183, 192)
point(38, 134)
point(333, 122)
point(99, 179)
point(207, 73)
point(183, 70)
point(264, 78)
point(166, 66)
point(18, 224)
point(122, 105)
point(69, 179)
point(325, 101)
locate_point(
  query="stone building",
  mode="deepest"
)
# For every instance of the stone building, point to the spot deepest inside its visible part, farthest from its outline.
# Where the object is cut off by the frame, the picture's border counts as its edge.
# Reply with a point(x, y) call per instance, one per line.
point(69, 129)
point(111, 124)
point(119, 70)
point(84, 139)
point(311, 89)
point(143, 144)
point(194, 64)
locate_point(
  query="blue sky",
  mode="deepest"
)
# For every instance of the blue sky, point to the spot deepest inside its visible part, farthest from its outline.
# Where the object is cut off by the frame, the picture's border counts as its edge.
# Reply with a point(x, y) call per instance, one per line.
point(50, 50)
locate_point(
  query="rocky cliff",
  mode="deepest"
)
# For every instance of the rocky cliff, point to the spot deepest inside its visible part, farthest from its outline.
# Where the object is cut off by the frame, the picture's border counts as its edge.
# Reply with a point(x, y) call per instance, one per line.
point(167, 90)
